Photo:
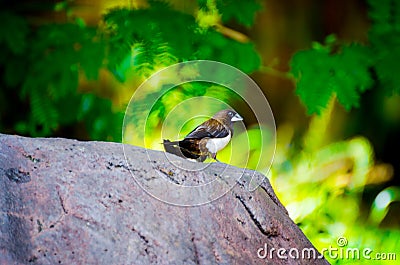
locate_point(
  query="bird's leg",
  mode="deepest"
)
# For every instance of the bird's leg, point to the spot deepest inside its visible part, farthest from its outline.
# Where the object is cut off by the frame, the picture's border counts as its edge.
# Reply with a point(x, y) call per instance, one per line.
point(214, 156)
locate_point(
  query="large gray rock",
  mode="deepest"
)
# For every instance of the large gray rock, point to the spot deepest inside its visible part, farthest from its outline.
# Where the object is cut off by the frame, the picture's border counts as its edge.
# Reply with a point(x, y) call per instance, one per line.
point(69, 202)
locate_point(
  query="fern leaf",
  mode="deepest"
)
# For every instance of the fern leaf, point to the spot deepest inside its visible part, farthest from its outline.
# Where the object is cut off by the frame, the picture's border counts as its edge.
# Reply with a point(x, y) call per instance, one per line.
point(320, 75)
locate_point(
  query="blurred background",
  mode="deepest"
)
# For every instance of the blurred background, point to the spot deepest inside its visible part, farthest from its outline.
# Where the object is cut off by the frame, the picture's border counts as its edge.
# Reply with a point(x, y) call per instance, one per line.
point(328, 68)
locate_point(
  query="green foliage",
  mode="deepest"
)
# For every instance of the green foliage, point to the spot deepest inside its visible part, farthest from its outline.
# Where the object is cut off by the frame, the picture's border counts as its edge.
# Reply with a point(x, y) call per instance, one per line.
point(387, 48)
point(51, 79)
point(322, 179)
point(214, 46)
point(385, 15)
point(101, 122)
point(385, 42)
point(246, 16)
point(322, 74)
point(46, 72)
point(322, 189)
point(144, 39)
point(229, 10)
point(348, 70)
point(46, 62)
point(154, 33)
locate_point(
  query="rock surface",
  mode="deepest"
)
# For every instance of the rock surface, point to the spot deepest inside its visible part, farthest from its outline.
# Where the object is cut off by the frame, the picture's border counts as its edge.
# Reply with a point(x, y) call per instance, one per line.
point(69, 202)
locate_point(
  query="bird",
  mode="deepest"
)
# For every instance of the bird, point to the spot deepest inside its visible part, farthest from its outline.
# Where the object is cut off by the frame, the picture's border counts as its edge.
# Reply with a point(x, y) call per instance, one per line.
point(207, 138)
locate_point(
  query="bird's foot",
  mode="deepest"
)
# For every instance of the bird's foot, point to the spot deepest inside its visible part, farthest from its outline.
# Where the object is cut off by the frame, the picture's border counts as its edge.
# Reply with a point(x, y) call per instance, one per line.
point(214, 156)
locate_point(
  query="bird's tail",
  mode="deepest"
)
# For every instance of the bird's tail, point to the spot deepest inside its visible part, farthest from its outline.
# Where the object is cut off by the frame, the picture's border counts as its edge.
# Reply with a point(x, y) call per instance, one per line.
point(169, 143)
point(183, 149)
point(172, 147)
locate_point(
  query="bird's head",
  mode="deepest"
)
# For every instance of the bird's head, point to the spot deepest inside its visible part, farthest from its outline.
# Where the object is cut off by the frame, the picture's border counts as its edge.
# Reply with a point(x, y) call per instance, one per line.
point(227, 116)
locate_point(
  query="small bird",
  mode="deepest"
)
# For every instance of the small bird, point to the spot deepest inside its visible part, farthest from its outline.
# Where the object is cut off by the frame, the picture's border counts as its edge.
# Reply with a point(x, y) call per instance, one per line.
point(206, 139)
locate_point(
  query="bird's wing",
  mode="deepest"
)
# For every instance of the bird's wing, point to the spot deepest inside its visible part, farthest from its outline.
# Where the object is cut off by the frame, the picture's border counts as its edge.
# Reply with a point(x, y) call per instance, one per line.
point(210, 128)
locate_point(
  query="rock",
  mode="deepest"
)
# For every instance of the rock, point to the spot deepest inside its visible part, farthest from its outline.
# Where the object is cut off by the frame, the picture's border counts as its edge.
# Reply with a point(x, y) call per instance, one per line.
point(69, 202)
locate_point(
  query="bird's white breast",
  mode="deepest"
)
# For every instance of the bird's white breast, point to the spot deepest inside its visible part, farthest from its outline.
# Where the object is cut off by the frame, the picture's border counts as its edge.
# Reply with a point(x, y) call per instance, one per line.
point(216, 144)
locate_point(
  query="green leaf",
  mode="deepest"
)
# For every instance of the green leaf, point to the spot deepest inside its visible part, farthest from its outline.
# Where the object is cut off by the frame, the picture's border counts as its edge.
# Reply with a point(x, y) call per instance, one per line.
point(385, 15)
point(243, 12)
point(321, 75)
point(44, 116)
point(353, 76)
point(140, 39)
point(384, 37)
point(312, 70)
point(386, 50)
point(202, 4)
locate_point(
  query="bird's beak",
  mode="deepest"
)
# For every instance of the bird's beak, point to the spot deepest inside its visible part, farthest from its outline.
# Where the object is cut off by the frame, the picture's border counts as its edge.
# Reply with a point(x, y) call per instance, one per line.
point(237, 117)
